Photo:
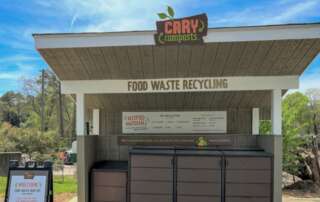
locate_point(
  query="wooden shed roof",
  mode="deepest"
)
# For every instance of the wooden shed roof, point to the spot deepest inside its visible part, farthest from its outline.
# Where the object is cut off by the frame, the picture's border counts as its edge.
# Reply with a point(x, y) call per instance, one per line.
point(238, 51)
point(242, 51)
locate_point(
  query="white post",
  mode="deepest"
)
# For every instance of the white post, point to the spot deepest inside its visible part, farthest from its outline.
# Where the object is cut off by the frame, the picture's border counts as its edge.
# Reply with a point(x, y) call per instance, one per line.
point(95, 121)
point(255, 121)
point(276, 120)
point(80, 114)
point(276, 112)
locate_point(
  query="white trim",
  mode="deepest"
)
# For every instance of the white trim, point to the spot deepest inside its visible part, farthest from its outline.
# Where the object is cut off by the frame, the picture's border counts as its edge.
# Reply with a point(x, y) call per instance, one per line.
point(264, 33)
point(80, 114)
point(276, 111)
point(233, 84)
point(95, 121)
point(255, 121)
point(259, 33)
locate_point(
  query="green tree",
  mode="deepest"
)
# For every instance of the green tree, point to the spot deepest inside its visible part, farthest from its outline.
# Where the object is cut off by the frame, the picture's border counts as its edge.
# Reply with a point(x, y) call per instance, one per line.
point(20, 118)
point(313, 127)
point(32, 89)
point(12, 108)
point(294, 107)
point(265, 127)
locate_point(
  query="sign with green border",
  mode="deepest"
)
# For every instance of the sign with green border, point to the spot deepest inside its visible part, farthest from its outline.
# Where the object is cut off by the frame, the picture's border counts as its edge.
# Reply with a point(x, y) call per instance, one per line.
point(188, 30)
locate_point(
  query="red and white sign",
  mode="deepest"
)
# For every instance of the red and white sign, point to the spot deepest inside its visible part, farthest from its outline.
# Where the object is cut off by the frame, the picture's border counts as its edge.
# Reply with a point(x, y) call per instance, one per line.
point(174, 122)
point(27, 190)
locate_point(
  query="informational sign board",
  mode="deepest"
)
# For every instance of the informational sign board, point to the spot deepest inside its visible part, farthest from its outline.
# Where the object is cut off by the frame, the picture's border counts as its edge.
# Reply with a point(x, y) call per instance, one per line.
point(174, 140)
point(188, 30)
point(29, 185)
point(174, 122)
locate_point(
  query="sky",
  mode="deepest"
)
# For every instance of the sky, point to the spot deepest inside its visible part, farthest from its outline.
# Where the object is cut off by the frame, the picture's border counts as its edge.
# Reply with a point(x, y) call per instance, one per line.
point(20, 18)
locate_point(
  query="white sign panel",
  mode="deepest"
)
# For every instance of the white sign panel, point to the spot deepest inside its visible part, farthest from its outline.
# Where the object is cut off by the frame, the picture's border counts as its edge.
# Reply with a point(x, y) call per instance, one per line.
point(27, 190)
point(175, 122)
point(202, 84)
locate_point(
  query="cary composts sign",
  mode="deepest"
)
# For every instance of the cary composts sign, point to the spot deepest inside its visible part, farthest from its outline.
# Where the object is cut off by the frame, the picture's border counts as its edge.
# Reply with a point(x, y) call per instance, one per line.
point(187, 30)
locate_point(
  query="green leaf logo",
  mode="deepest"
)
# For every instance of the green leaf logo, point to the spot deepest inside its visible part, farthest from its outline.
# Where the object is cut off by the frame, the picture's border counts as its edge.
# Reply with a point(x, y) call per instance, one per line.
point(163, 16)
point(170, 11)
point(169, 15)
point(201, 28)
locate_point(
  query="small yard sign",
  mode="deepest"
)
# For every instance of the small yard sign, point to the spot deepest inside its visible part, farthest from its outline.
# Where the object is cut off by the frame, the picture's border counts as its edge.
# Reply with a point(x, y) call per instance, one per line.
point(29, 184)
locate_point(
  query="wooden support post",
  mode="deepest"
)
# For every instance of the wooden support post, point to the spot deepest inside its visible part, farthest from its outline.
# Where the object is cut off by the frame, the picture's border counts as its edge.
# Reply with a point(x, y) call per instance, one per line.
point(276, 112)
point(80, 114)
point(276, 119)
point(255, 121)
point(95, 121)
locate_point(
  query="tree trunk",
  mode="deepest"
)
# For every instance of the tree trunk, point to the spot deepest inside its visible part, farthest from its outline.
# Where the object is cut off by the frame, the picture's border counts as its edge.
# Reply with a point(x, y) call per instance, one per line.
point(61, 128)
point(74, 135)
point(315, 152)
point(42, 102)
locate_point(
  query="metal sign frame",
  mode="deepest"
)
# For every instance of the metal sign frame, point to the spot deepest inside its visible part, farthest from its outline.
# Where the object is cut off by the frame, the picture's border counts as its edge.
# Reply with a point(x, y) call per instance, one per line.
point(45, 169)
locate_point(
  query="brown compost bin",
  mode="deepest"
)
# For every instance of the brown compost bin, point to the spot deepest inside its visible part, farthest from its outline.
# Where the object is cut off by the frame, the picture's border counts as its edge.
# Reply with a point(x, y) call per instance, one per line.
point(109, 181)
point(205, 175)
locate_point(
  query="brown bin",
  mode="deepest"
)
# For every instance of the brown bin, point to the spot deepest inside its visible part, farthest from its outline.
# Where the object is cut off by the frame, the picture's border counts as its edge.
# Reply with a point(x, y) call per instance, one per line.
point(198, 176)
point(248, 177)
point(151, 175)
point(109, 181)
point(193, 175)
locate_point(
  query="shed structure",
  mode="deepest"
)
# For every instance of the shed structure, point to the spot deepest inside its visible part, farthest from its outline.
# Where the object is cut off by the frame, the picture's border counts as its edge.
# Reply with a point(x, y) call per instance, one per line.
point(258, 63)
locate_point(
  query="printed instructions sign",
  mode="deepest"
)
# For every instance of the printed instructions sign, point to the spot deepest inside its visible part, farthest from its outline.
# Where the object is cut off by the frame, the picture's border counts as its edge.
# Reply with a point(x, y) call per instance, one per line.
point(24, 189)
point(174, 122)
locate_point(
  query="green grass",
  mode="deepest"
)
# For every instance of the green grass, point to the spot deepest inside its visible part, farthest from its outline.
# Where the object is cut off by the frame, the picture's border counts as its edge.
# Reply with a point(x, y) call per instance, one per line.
point(69, 185)
point(3, 182)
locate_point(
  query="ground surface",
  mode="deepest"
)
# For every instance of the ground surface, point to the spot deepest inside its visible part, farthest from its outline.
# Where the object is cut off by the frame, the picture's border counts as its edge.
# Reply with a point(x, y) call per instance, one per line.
point(65, 189)
point(295, 196)
point(67, 197)
point(67, 170)
point(62, 197)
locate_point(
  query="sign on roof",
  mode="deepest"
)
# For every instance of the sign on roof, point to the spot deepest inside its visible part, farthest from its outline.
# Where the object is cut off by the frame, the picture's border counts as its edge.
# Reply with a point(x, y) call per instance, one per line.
point(188, 30)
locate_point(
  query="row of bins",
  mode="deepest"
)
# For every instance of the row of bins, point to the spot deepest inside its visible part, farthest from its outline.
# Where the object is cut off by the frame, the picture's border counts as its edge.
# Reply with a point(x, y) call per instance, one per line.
point(185, 175)
point(200, 176)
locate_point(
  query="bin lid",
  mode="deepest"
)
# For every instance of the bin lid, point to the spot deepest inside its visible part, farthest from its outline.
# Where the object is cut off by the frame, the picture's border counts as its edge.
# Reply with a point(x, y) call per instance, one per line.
point(246, 153)
point(111, 165)
point(152, 150)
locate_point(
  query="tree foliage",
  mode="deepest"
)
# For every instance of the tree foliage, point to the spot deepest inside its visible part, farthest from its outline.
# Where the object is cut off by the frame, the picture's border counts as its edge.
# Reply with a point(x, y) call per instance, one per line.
point(20, 118)
point(294, 107)
point(300, 126)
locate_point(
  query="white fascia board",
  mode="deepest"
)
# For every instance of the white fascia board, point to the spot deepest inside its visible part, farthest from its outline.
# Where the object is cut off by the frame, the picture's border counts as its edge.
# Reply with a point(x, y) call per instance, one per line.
point(267, 33)
point(94, 40)
point(141, 38)
point(233, 84)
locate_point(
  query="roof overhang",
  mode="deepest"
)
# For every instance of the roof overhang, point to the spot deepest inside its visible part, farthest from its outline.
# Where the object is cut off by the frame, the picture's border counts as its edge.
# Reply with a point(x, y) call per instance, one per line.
point(92, 62)
point(143, 38)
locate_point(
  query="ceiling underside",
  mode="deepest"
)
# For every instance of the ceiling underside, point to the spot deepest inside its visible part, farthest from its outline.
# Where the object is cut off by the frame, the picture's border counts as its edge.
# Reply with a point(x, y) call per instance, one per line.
point(281, 57)
point(180, 101)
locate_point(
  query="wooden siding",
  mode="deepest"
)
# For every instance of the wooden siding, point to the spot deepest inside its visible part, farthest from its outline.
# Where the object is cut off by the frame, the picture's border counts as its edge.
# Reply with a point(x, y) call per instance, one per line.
point(239, 124)
point(180, 101)
point(281, 57)
point(198, 178)
point(273, 144)
point(86, 157)
point(201, 177)
point(250, 180)
point(109, 186)
point(155, 180)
